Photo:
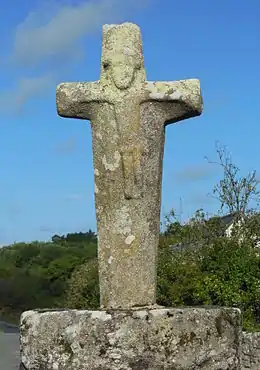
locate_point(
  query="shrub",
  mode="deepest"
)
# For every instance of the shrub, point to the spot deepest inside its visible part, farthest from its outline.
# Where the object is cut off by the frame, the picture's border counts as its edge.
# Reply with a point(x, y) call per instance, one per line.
point(224, 273)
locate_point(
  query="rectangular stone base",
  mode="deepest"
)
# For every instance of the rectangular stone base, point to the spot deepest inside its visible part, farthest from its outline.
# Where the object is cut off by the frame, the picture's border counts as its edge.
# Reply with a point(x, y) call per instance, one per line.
point(141, 339)
point(250, 356)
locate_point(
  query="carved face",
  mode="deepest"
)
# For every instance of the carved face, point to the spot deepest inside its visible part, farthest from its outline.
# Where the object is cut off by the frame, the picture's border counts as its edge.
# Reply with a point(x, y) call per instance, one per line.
point(122, 55)
point(121, 70)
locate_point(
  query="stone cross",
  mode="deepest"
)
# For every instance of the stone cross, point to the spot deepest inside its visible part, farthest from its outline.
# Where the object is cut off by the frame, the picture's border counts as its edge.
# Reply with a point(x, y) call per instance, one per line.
point(128, 116)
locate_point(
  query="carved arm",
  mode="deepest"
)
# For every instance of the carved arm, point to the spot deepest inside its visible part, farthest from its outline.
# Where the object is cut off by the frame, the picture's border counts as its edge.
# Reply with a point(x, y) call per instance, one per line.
point(74, 99)
point(181, 99)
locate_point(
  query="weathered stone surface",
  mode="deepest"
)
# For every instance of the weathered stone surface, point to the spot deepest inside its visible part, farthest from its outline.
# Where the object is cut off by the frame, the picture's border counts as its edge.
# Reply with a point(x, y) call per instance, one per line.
point(128, 115)
point(250, 351)
point(151, 339)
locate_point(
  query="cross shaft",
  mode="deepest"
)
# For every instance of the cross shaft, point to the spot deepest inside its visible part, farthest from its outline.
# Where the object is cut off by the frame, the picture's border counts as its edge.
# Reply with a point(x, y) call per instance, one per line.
point(128, 115)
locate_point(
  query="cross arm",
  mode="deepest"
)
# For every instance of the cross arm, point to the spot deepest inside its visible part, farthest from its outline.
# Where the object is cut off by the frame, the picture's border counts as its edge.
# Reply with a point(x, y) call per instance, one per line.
point(75, 99)
point(181, 99)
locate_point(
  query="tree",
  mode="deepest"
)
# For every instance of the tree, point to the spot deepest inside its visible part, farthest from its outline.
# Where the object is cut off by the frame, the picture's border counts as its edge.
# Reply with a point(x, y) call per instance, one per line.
point(221, 272)
point(234, 192)
point(83, 289)
point(75, 238)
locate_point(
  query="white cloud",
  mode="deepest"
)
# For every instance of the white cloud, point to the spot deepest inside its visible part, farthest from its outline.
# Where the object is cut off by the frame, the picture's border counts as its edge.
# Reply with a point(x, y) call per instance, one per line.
point(33, 86)
point(13, 101)
point(56, 30)
point(195, 173)
point(50, 38)
point(75, 196)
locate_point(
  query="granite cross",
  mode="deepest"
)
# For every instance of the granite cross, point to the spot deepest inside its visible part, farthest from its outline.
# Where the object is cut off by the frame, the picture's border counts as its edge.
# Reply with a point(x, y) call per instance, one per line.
point(128, 116)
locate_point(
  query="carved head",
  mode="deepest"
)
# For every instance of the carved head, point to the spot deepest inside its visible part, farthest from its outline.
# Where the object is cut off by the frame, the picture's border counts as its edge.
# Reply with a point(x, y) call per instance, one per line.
point(122, 55)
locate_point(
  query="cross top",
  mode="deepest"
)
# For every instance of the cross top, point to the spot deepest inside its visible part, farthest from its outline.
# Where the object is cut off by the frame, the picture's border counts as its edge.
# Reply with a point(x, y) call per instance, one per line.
point(122, 55)
point(128, 115)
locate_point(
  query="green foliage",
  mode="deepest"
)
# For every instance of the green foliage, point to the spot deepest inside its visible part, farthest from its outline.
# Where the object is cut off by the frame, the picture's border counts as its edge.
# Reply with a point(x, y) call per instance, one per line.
point(83, 290)
point(197, 232)
point(37, 275)
point(176, 274)
point(212, 269)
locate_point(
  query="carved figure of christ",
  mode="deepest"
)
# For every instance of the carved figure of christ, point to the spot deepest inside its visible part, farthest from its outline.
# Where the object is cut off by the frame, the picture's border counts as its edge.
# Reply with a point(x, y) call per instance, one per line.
point(128, 116)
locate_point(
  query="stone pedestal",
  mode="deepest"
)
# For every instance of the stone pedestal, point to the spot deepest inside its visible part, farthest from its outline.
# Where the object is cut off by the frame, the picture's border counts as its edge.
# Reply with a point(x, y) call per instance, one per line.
point(250, 351)
point(141, 339)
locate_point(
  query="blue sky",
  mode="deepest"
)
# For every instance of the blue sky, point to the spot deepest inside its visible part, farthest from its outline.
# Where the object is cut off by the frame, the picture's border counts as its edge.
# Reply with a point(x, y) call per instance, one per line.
point(47, 183)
